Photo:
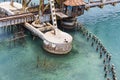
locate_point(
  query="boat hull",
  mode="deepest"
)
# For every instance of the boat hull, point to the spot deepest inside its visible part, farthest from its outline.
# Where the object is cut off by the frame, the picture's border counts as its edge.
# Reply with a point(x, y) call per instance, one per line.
point(69, 23)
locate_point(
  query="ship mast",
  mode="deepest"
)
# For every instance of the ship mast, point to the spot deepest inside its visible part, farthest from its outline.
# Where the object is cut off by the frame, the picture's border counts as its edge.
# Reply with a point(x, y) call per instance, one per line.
point(41, 10)
point(25, 4)
point(61, 4)
point(11, 3)
point(53, 14)
point(41, 7)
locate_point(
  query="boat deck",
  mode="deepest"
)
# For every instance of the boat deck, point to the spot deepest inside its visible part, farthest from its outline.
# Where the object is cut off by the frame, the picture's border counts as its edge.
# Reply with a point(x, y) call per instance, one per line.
point(61, 15)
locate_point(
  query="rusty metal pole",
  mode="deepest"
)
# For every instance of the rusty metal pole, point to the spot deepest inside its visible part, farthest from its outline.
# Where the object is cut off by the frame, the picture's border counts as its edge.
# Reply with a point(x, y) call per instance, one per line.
point(42, 7)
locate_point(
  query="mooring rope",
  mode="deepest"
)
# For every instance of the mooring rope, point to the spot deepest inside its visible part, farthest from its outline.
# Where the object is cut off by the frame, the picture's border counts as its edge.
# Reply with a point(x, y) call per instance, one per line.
point(96, 43)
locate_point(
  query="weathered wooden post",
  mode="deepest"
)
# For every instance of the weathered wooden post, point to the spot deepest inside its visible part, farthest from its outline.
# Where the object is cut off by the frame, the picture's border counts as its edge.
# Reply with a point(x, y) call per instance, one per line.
point(44, 63)
point(103, 1)
point(25, 4)
point(37, 62)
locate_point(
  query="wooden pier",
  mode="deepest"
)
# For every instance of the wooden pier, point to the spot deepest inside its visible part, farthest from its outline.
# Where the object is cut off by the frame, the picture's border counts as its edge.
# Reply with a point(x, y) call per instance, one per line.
point(100, 3)
point(30, 16)
point(16, 19)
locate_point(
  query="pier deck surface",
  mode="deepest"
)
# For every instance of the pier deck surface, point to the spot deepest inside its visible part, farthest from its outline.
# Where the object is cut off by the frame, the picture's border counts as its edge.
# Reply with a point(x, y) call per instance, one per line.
point(61, 15)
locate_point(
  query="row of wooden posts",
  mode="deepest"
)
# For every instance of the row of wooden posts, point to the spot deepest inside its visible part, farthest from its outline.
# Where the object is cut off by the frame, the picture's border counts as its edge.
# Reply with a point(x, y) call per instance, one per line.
point(96, 43)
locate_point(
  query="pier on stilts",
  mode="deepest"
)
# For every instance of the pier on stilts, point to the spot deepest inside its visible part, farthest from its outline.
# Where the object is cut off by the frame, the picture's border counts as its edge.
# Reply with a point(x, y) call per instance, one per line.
point(17, 16)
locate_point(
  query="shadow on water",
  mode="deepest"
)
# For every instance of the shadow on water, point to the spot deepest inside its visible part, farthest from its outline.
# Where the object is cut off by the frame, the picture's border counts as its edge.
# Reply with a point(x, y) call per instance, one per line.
point(32, 59)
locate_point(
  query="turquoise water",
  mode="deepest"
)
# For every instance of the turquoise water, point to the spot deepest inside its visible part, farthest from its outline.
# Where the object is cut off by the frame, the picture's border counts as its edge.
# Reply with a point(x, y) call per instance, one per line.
point(82, 63)
point(104, 23)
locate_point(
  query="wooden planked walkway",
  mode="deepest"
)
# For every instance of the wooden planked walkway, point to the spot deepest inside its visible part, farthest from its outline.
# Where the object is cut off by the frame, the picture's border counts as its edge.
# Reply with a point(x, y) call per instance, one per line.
point(11, 17)
point(98, 3)
point(16, 19)
point(61, 15)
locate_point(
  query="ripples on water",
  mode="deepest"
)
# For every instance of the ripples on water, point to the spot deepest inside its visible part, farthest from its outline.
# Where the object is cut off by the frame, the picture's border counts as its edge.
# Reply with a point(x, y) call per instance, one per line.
point(107, 27)
point(82, 63)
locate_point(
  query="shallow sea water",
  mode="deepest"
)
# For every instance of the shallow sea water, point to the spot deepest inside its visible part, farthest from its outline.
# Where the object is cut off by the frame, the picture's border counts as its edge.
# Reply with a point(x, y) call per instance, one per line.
point(82, 63)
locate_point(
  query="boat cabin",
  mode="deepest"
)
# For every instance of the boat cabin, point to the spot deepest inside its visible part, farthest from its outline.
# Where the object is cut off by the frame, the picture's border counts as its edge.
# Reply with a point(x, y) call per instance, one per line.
point(74, 7)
